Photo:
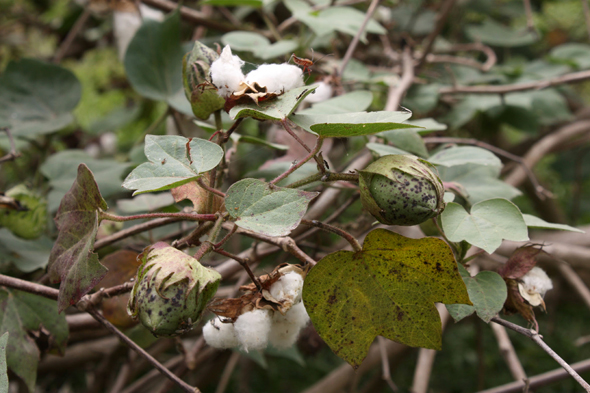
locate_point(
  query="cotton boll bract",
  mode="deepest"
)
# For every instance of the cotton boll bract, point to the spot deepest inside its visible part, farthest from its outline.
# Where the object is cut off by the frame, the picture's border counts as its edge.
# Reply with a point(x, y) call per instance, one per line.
point(220, 335)
point(252, 329)
point(226, 72)
point(288, 288)
point(277, 78)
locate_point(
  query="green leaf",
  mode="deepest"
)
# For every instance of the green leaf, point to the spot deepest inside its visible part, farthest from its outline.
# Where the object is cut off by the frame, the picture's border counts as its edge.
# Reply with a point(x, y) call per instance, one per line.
point(28, 92)
point(274, 109)
point(494, 33)
point(73, 261)
point(346, 20)
point(460, 155)
point(486, 225)
point(350, 102)
point(174, 161)
point(384, 150)
point(487, 291)
point(20, 313)
point(275, 169)
point(424, 126)
point(262, 208)
point(408, 140)
point(153, 61)
point(422, 98)
point(145, 203)
point(26, 255)
point(576, 54)
point(389, 289)
point(536, 222)
point(258, 44)
point(62, 168)
point(3, 368)
point(351, 124)
point(480, 182)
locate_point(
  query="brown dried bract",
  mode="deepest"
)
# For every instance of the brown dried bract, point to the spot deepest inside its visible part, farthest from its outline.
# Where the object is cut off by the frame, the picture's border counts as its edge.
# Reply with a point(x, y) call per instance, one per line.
point(516, 304)
point(247, 94)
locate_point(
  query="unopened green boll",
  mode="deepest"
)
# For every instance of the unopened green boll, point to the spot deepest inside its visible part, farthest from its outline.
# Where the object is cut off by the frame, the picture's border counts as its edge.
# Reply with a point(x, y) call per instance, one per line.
point(171, 290)
point(401, 190)
point(31, 221)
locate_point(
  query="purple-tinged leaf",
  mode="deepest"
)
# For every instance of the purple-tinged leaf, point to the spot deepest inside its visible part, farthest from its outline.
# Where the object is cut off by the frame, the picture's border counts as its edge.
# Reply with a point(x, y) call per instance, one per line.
point(73, 261)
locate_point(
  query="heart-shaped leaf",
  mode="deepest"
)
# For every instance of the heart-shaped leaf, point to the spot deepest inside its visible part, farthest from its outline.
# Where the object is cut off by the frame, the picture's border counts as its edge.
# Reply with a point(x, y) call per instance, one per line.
point(344, 125)
point(389, 289)
point(28, 91)
point(354, 101)
point(486, 225)
point(21, 313)
point(174, 161)
point(73, 261)
point(266, 209)
point(487, 291)
point(274, 109)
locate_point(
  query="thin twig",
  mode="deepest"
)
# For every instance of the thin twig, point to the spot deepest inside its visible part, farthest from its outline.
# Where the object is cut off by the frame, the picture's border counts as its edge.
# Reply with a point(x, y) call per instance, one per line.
point(185, 386)
point(528, 11)
point(396, 93)
point(72, 34)
point(508, 353)
point(210, 189)
point(356, 246)
point(139, 228)
point(441, 19)
point(503, 89)
point(13, 153)
point(227, 371)
point(491, 57)
point(541, 192)
point(357, 37)
point(244, 263)
point(180, 215)
point(30, 287)
point(533, 335)
point(293, 168)
point(575, 281)
point(385, 369)
point(192, 15)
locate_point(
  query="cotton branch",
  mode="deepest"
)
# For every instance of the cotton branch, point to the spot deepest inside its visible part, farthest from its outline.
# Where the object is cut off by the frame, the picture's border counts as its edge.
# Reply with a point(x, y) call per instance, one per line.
point(190, 15)
point(537, 339)
point(441, 19)
point(396, 93)
point(13, 153)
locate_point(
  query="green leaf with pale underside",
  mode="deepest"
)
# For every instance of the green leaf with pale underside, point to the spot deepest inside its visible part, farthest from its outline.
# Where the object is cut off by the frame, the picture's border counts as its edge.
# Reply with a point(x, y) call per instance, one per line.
point(3, 368)
point(73, 261)
point(487, 291)
point(536, 222)
point(174, 161)
point(344, 125)
point(459, 155)
point(21, 313)
point(486, 225)
point(388, 289)
point(266, 209)
point(274, 109)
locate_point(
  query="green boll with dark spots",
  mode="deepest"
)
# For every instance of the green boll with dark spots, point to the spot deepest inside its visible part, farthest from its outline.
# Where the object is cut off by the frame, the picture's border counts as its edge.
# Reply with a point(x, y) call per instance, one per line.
point(171, 290)
point(401, 190)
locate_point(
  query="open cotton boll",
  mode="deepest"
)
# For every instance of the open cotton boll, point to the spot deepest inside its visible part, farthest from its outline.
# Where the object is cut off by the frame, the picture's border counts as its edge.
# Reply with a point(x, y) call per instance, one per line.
point(226, 72)
point(288, 288)
point(536, 280)
point(277, 78)
point(322, 93)
point(285, 328)
point(220, 335)
point(252, 329)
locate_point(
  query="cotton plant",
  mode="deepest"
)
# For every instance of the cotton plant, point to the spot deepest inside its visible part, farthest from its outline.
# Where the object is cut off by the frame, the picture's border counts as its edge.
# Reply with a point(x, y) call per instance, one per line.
point(278, 322)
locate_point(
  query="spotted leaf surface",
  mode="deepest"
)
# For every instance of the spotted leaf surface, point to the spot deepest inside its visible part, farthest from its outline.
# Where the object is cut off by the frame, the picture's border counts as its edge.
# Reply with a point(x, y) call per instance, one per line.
point(388, 289)
point(73, 261)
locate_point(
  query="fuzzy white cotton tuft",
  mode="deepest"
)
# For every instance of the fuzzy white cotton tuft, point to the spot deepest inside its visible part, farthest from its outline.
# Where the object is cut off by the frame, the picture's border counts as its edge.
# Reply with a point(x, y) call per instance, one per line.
point(220, 335)
point(277, 78)
point(126, 24)
point(226, 72)
point(252, 329)
point(288, 288)
point(322, 93)
point(286, 328)
point(536, 281)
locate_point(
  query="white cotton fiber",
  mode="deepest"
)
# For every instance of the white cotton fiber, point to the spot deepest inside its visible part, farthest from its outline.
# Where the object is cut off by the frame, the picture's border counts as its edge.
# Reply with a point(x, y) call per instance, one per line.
point(285, 328)
point(288, 288)
point(536, 281)
point(322, 93)
point(226, 72)
point(277, 78)
point(219, 335)
point(252, 329)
